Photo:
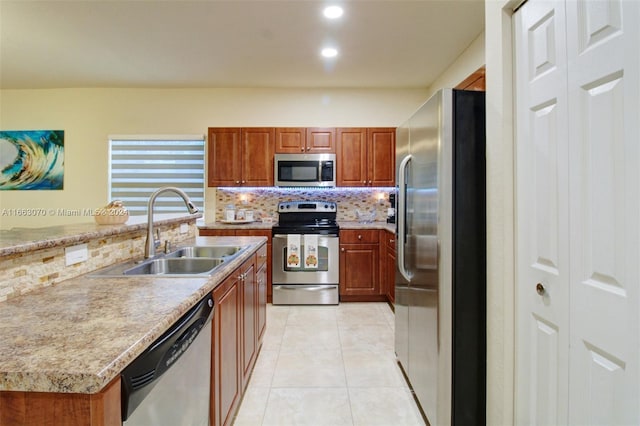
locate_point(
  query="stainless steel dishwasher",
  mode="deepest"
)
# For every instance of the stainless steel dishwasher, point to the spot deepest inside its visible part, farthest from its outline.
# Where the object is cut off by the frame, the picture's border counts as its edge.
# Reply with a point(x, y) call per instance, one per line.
point(169, 383)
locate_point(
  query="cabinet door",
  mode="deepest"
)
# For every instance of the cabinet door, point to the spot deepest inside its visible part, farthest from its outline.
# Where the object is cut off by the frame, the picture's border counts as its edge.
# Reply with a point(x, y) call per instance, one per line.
point(381, 155)
point(261, 278)
point(226, 390)
point(359, 270)
point(390, 267)
point(321, 140)
point(267, 259)
point(249, 319)
point(257, 156)
point(223, 157)
point(290, 140)
point(351, 157)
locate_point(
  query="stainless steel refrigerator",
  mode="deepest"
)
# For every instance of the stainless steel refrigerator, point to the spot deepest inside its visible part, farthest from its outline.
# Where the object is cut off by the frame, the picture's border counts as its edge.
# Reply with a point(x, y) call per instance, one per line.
point(440, 293)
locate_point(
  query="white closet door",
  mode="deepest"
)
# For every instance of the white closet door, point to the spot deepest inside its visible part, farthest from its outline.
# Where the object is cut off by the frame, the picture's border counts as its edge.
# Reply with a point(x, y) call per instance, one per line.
point(542, 214)
point(604, 104)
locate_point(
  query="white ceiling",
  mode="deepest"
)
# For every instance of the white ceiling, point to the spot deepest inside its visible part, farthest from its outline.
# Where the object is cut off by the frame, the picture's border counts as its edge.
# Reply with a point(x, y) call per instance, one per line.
point(241, 43)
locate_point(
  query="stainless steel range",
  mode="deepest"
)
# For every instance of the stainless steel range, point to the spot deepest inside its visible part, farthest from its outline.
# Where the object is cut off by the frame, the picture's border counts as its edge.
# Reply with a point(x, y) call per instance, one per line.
point(306, 254)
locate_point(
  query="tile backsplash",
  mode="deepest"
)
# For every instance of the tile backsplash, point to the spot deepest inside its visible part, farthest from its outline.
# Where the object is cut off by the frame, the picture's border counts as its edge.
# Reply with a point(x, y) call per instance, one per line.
point(264, 201)
point(23, 272)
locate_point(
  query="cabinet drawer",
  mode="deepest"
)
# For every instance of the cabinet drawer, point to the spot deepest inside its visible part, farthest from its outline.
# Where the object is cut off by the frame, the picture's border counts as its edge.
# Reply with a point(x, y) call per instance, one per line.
point(354, 236)
point(391, 240)
point(217, 232)
point(261, 256)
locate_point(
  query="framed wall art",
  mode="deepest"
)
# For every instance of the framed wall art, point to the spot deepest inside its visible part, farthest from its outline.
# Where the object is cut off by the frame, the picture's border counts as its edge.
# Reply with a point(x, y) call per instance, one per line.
point(31, 159)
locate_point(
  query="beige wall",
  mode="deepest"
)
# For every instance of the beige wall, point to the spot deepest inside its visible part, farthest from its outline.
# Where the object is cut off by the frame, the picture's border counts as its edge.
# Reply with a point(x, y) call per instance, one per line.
point(469, 61)
point(88, 116)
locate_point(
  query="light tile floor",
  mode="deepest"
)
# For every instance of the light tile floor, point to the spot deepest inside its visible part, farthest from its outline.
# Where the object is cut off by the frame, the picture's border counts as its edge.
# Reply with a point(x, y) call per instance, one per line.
point(328, 365)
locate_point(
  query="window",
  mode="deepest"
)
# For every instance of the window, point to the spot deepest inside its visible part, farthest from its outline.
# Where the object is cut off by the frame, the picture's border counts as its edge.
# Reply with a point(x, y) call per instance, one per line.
point(140, 164)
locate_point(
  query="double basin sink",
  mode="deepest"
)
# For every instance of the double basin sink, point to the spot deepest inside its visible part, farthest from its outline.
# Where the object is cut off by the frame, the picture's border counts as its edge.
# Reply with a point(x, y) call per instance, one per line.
point(185, 261)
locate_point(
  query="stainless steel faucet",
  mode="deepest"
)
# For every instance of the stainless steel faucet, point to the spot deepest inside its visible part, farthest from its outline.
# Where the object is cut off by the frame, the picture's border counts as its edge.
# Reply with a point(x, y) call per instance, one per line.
point(150, 244)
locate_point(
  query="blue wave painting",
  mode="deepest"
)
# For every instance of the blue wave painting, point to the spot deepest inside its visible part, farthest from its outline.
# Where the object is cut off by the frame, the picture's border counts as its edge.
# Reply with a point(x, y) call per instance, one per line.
point(31, 159)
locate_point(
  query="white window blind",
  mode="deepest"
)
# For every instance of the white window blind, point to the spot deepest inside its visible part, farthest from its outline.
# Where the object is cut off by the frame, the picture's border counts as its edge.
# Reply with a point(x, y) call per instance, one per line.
point(140, 164)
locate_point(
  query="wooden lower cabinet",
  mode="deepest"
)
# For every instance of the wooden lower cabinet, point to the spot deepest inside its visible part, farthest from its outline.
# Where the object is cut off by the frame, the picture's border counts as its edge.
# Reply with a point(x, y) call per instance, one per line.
point(262, 283)
point(247, 233)
point(226, 381)
point(239, 321)
point(249, 316)
point(360, 266)
point(62, 409)
point(389, 274)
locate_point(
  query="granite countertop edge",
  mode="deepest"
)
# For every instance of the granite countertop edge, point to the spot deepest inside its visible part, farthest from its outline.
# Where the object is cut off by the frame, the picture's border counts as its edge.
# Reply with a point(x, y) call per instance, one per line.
point(391, 227)
point(22, 240)
point(41, 328)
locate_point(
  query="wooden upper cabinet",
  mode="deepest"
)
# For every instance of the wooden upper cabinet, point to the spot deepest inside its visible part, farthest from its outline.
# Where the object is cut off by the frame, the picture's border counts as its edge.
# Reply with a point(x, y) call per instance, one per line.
point(381, 156)
point(351, 157)
point(223, 157)
point(321, 140)
point(297, 140)
point(257, 156)
point(366, 156)
point(240, 157)
point(476, 81)
point(292, 140)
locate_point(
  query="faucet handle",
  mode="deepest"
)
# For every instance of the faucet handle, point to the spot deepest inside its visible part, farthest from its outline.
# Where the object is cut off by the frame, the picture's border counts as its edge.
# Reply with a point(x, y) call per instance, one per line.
point(156, 241)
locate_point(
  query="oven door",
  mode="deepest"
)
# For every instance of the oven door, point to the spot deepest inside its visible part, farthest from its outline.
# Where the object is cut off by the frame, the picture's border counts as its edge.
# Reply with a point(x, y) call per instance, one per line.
point(326, 272)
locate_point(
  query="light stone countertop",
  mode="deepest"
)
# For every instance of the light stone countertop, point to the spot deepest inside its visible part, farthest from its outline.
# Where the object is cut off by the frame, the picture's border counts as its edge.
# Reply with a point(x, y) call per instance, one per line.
point(21, 240)
point(78, 335)
point(391, 227)
point(201, 224)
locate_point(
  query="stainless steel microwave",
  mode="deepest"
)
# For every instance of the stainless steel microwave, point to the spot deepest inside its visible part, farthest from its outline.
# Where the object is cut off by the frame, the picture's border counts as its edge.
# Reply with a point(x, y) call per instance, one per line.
point(305, 170)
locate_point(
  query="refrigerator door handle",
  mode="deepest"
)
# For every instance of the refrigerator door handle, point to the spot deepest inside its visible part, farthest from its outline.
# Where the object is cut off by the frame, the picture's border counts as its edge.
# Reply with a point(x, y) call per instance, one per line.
point(402, 216)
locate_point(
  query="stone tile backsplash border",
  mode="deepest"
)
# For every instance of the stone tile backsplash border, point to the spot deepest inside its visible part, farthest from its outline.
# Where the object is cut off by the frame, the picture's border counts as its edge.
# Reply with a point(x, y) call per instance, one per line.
point(264, 201)
point(23, 272)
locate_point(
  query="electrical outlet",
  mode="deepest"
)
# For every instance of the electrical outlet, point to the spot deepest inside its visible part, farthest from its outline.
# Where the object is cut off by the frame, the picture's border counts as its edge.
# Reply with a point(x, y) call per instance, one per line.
point(184, 228)
point(76, 254)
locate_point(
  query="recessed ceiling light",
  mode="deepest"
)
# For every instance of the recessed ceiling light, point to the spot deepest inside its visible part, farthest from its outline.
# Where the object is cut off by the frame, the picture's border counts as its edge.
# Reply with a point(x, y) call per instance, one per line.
point(329, 52)
point(332, 12)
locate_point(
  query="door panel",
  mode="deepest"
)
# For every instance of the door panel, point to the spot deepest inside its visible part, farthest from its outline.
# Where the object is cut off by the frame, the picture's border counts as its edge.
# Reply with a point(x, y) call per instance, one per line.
point(578, 162)
point(542, 214)
point(604, 88)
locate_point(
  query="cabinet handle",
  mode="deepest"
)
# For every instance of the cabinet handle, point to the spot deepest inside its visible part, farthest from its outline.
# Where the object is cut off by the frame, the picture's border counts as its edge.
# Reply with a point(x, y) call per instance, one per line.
point(308, 149)
point(364, 182)
point(540, 289)
point(392, 241)
point(342, 249)
point(369, 182)
point(359, 237)
point(237, 181)
point(244, 181)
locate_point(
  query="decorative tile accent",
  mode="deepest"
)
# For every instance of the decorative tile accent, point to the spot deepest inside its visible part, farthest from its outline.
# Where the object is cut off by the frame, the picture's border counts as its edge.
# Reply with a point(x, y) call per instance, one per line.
point(21, 273)
point(264, 201)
